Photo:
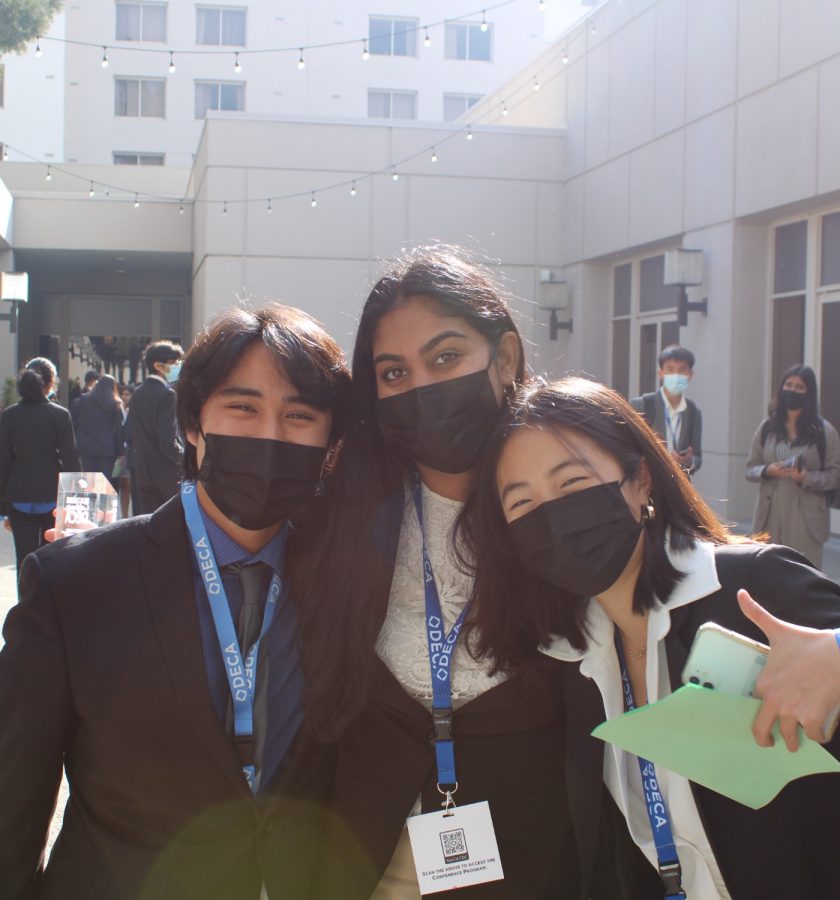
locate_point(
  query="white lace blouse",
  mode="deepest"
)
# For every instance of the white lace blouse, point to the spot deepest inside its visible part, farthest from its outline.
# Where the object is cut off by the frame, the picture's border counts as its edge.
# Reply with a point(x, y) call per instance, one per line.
point(402, 643)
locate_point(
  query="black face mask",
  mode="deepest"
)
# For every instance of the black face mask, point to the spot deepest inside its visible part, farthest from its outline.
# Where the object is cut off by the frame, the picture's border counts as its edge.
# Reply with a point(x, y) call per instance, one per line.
point(582, 542)
point(257, 482)
point(792, 399)
point(443, 425)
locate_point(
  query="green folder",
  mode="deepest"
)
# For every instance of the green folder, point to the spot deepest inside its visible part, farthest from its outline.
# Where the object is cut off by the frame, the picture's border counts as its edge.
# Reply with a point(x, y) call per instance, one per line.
point(706, 736)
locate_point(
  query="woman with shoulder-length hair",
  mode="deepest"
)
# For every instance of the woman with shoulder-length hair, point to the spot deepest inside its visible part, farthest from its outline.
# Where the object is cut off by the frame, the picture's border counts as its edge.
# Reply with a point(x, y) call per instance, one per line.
point(36, 443)
point(615, 561)
point(421, 722)
point(100, 428)
point(795, 457)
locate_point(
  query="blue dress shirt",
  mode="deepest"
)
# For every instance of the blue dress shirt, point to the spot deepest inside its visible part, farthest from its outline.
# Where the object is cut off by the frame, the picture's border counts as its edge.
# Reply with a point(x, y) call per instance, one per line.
point(285, 680)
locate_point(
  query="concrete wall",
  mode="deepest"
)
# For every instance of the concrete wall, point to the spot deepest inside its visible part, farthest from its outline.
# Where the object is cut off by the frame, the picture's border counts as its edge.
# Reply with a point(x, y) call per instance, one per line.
point(497, 194)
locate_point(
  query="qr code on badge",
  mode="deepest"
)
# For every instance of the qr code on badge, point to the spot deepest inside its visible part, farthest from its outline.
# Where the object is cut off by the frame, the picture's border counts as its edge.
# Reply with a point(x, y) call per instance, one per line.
point(454, 845)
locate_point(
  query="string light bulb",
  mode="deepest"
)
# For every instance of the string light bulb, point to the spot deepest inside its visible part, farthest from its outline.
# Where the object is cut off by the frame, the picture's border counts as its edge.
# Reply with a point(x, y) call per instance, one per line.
point(136, 201)
point(536, 84)
point(91, 192)
point(434, 155)
point(395, 175)
point(49, 174)
point(313, 202)
point(365, 54)
point(541, 6)
point(237, 68)
point(565, 57)
point(181, 208)
point(505, 109)
point(268, 208)
point(38, 51)
point(104, 62)
point(301, 61)
point(427, 41)
point(353, 189)
point(5, 153)
point(171, 63)
point(593, 29)
point(484, 26)
point(224, 208)
point(469, 133)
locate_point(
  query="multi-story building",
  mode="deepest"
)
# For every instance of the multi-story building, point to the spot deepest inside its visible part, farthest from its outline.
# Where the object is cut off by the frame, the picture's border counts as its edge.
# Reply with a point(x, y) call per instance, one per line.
point(131, 81)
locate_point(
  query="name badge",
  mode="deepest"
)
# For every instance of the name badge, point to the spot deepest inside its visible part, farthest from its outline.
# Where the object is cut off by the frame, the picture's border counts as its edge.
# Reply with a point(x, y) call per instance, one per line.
point(454, 848)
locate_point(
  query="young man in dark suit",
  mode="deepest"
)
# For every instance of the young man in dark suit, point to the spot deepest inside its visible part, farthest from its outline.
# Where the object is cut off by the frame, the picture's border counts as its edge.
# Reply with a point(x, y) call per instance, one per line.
point(156, 659)
point(157, 449)
point(670, 413)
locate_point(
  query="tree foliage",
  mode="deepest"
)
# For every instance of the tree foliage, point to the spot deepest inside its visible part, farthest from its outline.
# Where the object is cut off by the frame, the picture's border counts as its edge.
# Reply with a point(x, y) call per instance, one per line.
point(23, 20)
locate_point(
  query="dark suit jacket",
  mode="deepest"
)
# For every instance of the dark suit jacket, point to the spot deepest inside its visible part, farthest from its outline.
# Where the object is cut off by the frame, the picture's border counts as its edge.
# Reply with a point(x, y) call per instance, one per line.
point(103, 670)
point(509, 747)
point(154, 438)
point(99, 431)
point(691, 429)
point(784, 851)
point(36, 443)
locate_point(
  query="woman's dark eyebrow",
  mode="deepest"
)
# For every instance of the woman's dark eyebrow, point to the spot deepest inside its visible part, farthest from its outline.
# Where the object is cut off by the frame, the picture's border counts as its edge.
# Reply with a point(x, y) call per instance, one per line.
point(429, 345)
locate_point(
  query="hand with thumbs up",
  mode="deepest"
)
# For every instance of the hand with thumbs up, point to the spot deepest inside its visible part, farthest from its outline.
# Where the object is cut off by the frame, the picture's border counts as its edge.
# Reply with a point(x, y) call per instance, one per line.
point(800, 684)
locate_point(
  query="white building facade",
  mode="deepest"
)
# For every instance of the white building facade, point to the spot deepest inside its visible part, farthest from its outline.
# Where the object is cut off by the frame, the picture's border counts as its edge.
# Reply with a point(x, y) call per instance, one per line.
point(167, 62)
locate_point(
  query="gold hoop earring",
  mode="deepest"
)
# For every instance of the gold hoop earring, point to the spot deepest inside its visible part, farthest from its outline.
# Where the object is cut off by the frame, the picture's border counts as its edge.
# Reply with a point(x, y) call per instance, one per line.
point(648, 511)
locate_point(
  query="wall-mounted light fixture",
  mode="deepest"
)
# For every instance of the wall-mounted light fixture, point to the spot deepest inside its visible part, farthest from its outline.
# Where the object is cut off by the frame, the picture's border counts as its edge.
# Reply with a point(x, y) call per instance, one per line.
point(685, 268)
point(554, 297)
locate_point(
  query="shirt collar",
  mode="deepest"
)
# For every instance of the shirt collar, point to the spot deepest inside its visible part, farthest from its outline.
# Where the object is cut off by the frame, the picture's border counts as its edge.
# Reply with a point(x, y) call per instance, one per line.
point(159, 378)
point(227, 551)
point(679, 408)
point(699, 580)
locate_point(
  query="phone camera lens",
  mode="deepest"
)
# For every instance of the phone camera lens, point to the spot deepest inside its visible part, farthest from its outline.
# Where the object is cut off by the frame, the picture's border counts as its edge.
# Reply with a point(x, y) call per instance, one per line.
point(694, 679)
point(709, 685)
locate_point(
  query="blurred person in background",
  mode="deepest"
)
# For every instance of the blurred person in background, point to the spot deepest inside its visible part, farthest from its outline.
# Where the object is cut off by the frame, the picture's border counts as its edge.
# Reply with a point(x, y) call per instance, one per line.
point(91, 377)
point(126, 462)
point(157, 449)
point(36, 443)
point(99, 432)
point(795, 457)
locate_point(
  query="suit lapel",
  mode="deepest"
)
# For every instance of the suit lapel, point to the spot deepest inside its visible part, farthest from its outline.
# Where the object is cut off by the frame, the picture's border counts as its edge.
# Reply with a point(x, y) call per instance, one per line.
point(584, 765)
point(167, 576)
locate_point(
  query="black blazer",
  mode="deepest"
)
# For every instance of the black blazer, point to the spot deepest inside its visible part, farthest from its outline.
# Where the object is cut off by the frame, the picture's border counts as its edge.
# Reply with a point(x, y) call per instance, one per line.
point(103, 670)
point(785, 851)
point(36, 443)
point(154, 437)
point(509, 747)
point(99, 431)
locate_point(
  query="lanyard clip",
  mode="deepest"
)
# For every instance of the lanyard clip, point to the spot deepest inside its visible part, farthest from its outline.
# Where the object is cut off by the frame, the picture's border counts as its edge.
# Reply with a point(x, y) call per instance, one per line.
point(442, 719)
point(671, 875)
point(244, 746)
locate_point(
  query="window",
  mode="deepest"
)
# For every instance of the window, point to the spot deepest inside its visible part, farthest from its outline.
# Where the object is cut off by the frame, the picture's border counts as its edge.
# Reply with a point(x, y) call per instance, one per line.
point(466, 40)
point(392, 104)
point(2, 85)
point(218, 95)
point(830, 250)
point(392, 37)
point(622, 286)
point(143, 97)
point(138, 159)
point(221, 26)
point(789, 268)
point(455, 105)
point(141, 22)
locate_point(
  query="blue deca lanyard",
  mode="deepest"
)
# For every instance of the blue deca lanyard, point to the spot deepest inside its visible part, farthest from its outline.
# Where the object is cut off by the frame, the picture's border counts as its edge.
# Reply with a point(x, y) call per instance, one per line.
point(241, 673)
point(441, 646)
point(657, 810)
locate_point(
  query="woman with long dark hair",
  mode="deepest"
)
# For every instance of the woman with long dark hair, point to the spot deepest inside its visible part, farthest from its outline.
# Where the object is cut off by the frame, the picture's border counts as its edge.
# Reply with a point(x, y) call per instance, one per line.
point(36, 443)
point(795, 457)
point(615, 561)
point(100, 429)
point(436, 357)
